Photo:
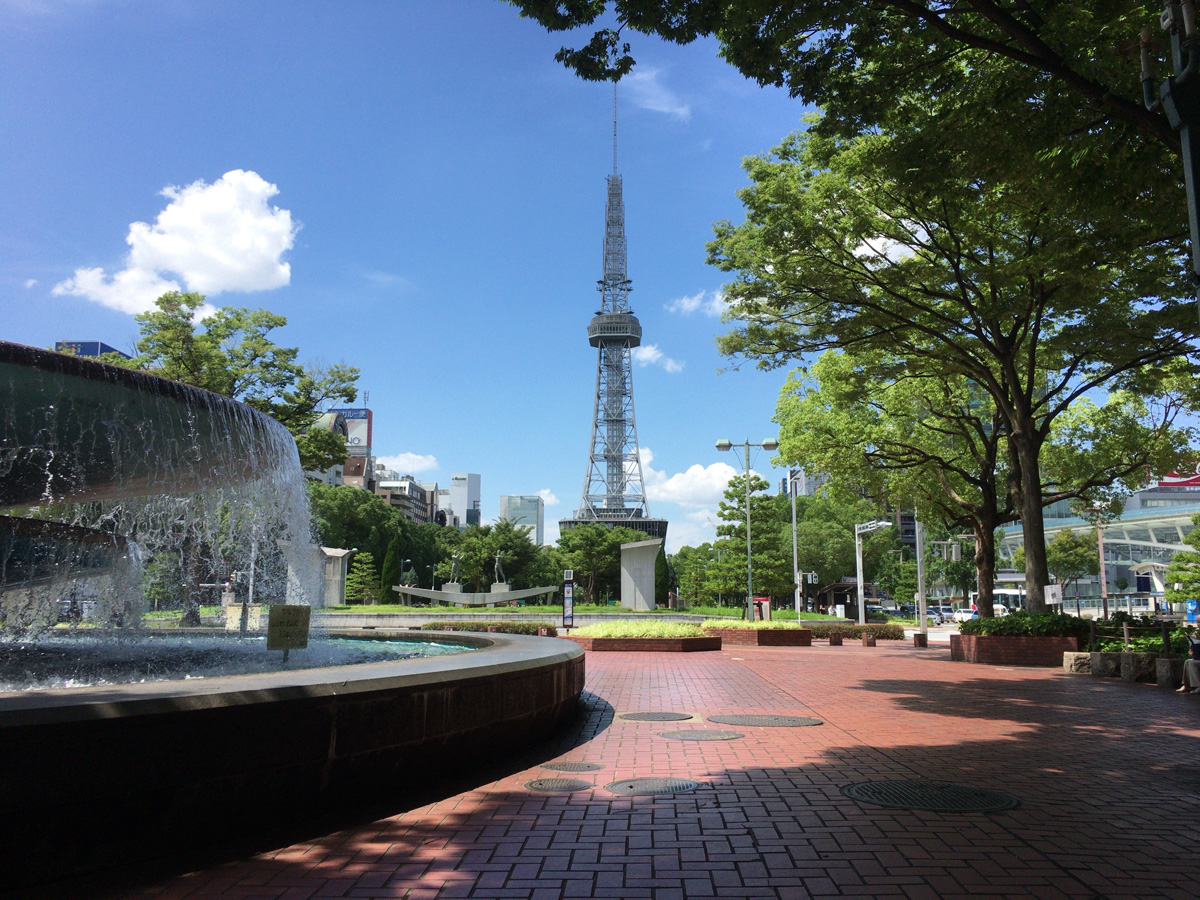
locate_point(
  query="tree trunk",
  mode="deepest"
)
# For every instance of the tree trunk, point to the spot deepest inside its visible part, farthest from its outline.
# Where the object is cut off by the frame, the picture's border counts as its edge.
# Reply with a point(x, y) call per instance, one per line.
point(1037, 574)
point(985, 566)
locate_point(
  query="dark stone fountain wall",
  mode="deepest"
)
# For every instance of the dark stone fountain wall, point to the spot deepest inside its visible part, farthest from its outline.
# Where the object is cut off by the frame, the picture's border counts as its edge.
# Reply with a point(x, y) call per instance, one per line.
point(96, 779)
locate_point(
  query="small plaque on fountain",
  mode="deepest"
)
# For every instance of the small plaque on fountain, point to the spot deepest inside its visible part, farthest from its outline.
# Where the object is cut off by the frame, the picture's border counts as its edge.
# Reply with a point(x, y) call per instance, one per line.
point(287, 627)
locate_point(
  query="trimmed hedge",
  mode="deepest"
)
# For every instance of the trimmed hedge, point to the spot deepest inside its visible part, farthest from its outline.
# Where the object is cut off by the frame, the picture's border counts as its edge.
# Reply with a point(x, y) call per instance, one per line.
point(623, 628)
point(888, 632)
point(1022, 624)
point(502, 627)
point(757, 626)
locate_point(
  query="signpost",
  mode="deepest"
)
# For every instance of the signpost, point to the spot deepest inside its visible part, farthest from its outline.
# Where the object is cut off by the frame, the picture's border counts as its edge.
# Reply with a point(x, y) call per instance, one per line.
point(568, 598)
point(287, 627)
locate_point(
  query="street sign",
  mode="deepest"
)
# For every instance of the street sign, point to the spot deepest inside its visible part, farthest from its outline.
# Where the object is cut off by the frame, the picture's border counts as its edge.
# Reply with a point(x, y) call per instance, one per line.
point(568, 605)
point(1053, 594)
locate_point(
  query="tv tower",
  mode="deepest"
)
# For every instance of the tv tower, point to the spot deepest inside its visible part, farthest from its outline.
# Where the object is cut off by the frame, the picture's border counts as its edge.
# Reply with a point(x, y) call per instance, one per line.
point(614, 491)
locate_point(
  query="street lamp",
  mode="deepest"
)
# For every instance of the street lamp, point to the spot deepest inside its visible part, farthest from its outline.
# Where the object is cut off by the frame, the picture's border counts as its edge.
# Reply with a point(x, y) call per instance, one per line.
point(769, 445)
point(403, 563)
point(859, 530)
point(792, 476)
point(430, 568)
point(1099, 507)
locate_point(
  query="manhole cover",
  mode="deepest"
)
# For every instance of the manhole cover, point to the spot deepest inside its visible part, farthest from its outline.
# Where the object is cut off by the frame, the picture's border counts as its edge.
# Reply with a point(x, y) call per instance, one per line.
point(776, 721)
point(697, 734)
point(569, 766)
point(655, 717)
point(558, 785)
point(929, 795)
point(645, 787)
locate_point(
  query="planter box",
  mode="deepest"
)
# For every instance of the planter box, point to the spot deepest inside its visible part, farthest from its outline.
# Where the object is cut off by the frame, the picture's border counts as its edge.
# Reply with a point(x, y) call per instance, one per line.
point(1138, 666)
point(1011, 650)
point(1077, 663)
point(835, 639)
point(648, 645)
point(920, 640)
point(1106, 665)
point(764, 637)
point(1168, 673)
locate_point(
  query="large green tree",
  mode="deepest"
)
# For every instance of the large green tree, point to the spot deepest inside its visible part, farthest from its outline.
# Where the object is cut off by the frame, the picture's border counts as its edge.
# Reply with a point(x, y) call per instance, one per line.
point(937, 266)
point(1079, 61)
point(231, 352)
point(593, 552)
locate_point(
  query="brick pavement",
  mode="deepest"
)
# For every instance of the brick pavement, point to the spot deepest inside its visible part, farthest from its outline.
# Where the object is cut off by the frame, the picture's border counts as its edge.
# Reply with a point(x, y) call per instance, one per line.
point(1107, 774)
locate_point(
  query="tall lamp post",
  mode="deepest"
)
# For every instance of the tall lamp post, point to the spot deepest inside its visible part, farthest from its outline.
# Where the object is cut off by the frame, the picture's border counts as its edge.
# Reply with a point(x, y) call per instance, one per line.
point(1099, 507)
point(859, 530)
point(792, 476)
point(769, 445)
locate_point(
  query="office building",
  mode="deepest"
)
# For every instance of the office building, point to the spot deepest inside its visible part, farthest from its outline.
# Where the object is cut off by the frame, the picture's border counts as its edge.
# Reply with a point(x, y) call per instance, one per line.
point(525, 509)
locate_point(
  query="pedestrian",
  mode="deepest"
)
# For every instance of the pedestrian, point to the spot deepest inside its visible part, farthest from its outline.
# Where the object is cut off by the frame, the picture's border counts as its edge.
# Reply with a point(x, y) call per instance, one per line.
point(1191, 667)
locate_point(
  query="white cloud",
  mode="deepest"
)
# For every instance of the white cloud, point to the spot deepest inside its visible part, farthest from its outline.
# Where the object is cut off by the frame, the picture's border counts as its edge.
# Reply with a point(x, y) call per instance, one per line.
point(648, 92)
point(30, 282)
point(698, 486)
point(548, 497)
point(215, 238)
point(649, 354)
point(410, 463)
point(711, 303)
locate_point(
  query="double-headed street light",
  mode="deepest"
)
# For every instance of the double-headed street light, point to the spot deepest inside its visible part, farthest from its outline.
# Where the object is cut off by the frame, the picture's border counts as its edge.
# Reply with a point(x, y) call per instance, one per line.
point(859, 530)
point(769, 445)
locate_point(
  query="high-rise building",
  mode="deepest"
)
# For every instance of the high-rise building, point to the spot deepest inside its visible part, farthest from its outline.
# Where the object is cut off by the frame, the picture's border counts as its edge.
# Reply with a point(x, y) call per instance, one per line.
point(613, 487)
point(525, 509)
point(359, 424)
point(86, 348)
point(464, 497)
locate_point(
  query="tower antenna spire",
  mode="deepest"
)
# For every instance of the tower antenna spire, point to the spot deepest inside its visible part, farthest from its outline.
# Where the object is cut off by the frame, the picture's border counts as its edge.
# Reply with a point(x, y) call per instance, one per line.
point(614, 128)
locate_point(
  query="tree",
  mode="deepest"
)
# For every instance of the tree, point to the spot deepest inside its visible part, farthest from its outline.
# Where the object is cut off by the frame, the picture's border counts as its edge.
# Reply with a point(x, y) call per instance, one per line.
point(230, 352)
point(1184, 569)
point(362, 581)
point(770, 570)
point(389, 574)
point(1071, 555)
point(858, 58)
point(350, 518)
point(940, 267)
point(593, 551)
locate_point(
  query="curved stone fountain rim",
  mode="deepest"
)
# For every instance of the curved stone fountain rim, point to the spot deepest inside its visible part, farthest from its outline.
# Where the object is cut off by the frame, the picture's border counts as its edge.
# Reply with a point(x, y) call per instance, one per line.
point(85, 367)
point(497, 654)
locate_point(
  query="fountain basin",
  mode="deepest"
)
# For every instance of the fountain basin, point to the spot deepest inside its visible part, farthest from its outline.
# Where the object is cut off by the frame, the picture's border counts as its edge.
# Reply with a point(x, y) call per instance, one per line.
point(95, 778)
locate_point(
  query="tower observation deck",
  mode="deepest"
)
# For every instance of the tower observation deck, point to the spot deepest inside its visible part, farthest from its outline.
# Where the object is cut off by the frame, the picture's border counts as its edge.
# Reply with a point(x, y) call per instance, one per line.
point(613, 489)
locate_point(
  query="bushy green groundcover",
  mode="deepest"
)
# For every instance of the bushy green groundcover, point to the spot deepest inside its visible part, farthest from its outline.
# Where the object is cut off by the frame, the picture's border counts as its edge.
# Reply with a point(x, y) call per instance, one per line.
point(1023, 624)
point(503, 627)
point(757, 626)
point(638, 629)
point(882, 632)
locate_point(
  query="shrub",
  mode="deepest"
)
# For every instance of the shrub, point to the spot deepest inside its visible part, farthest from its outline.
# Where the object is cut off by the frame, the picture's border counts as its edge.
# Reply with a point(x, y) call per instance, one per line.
point(758, 626)
point(503, 627)
point(647, 629)
point(887, 632)
point(1021, 623)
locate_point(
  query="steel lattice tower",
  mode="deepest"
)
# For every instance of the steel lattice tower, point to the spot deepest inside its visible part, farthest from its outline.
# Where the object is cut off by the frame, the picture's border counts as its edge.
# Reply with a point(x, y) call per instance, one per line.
point(613, 488)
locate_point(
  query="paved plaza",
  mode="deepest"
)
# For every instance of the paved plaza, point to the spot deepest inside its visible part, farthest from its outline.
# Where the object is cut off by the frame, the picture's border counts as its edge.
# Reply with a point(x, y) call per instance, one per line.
point(1107, 776)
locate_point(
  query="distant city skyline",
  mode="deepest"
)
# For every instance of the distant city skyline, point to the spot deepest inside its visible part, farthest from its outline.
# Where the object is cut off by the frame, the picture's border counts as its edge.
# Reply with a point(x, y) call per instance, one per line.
point(422, 198)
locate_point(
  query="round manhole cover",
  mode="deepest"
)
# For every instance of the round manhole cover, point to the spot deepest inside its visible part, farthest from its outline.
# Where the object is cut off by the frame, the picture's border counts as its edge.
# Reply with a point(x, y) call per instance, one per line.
point(775, 721)
point(698, 734)
point(655, 716)
point(567, 765)
point(929, 795)
point(558, 785)
point(645, 787)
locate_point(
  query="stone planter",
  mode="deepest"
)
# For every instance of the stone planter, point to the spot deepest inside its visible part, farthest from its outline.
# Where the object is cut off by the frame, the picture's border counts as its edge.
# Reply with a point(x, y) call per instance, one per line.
point(648, 645)
point(835, 639)
point(1011, 650)
point(1077, 663)
point(1106, 665)
point(1138, 667)
point(1168, 672)
point(763, 637)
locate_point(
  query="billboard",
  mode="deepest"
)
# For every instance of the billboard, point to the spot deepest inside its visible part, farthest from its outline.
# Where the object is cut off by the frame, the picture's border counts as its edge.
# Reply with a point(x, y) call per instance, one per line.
point(358, 428)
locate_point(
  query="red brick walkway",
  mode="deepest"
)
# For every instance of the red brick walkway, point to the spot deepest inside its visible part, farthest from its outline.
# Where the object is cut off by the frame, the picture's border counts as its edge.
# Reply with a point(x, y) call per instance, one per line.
point(1107, 774)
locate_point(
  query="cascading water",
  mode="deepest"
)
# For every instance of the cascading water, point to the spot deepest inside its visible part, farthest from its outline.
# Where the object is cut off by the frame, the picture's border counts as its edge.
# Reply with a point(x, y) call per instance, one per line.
point(121, 491)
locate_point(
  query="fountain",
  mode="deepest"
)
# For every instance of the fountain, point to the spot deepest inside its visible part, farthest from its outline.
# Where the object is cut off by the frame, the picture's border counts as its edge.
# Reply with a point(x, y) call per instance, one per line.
point(120, 490)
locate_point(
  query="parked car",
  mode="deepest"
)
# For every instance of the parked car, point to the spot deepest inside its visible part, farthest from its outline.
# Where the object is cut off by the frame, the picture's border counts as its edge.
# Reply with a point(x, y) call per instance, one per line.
point(946, 612)
point(965, 614)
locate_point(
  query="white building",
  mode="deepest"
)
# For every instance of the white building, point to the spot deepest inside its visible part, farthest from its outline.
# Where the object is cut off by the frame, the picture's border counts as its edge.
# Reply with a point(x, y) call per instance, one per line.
point(465, 497)
point(525, 509)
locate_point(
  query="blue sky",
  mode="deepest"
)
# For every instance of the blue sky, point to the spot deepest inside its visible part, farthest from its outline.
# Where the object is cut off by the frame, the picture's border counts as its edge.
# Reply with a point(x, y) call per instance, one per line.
point(419, 188)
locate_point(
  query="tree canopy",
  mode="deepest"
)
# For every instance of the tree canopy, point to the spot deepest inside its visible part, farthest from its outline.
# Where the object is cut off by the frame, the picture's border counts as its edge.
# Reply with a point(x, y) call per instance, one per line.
point(230, 352)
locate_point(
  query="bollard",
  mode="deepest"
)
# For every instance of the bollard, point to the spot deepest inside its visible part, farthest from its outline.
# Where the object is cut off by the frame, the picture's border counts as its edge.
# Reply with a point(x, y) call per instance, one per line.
point(920, 640)
point(835, 639)
point(868, 639)
point(493, 629)
point(543, 631)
